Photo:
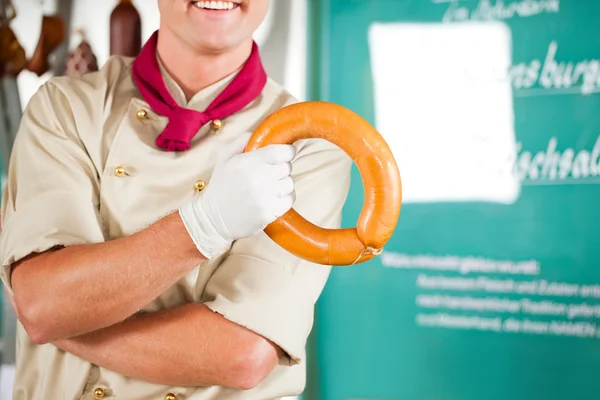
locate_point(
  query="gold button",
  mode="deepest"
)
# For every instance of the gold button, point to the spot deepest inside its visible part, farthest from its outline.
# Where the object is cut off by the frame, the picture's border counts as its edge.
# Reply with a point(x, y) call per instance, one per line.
point(170, 396)
point(200, 185)
point(142, 114)
point(120, 171)
point(99, 393)
point(216, 124)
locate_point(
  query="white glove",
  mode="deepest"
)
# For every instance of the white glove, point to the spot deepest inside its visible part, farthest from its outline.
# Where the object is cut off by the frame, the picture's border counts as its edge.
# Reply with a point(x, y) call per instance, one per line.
point(247, 192)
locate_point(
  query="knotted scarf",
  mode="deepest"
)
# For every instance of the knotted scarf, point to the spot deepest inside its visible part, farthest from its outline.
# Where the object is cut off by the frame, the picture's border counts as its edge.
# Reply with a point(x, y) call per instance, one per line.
point(185, 123)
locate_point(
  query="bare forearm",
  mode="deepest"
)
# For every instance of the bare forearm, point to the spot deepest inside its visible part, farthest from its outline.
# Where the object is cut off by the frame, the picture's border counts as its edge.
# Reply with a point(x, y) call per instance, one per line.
point(185, 346)
point(80, 289)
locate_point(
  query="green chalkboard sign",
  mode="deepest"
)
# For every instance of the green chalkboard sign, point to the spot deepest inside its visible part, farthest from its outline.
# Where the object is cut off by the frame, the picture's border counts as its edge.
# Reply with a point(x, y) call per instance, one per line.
point(490, 287)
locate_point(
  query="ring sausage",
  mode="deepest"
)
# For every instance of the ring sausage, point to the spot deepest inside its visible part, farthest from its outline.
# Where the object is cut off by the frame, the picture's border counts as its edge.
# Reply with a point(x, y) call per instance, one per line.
point(378, 170)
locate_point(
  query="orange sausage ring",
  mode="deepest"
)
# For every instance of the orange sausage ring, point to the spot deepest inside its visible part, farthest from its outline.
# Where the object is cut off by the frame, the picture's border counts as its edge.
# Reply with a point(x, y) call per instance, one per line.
point(378, 170)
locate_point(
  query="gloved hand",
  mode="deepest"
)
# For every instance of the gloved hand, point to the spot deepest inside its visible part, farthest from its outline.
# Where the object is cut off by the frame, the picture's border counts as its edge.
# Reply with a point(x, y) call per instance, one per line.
point(247, 191)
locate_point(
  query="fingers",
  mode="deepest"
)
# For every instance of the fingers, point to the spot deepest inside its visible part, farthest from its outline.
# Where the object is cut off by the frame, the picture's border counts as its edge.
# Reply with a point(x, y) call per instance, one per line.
point(276, 153)
point(283, 205)
point(280, 171)
point(285, 187)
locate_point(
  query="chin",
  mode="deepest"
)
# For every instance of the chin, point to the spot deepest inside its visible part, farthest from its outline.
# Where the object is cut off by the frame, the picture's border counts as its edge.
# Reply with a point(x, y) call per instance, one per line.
point(218, 44)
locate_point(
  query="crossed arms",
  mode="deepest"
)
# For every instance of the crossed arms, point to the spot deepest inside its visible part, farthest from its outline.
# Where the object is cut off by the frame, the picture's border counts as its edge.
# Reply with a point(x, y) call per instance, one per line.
point(93, 314)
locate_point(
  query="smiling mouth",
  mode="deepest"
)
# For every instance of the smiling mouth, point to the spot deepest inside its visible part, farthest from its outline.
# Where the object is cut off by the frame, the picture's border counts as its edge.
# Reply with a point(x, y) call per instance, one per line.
point(215, 5)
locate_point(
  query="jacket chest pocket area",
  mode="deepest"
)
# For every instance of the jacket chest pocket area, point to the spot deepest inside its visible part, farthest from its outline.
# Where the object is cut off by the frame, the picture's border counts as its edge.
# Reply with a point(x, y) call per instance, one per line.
point(140, 182)
point(134, 198)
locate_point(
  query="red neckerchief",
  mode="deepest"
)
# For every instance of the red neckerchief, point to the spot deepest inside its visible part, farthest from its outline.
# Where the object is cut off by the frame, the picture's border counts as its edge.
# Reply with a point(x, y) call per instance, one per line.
point(185, 123)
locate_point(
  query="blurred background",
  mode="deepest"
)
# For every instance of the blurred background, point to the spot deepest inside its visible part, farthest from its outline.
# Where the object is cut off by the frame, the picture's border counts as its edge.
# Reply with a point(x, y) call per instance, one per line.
point(490, 287)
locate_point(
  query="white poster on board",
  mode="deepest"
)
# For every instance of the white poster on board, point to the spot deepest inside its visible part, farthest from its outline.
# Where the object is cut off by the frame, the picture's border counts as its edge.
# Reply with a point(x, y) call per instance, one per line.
point(443, 102)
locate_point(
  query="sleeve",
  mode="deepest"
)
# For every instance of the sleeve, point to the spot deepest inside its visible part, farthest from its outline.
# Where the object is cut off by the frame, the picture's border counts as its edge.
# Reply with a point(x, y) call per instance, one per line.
point(51, 195)
point(261, 286)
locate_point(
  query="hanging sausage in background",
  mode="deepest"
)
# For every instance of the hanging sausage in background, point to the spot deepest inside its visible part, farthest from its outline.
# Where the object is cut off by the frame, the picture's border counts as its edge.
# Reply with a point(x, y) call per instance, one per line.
point(52, 34)
point(12, 55)
point(125, 30)
point(82, 59)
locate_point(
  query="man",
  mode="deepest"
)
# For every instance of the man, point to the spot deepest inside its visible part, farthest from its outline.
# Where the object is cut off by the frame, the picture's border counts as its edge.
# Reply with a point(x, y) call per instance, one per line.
point(132, 244)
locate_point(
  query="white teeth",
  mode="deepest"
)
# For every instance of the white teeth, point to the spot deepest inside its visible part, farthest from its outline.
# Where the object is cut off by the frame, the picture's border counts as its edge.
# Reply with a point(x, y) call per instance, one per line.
point(215, 5)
